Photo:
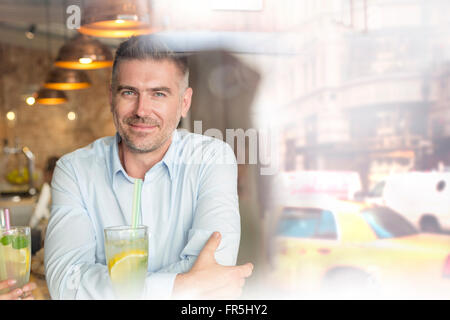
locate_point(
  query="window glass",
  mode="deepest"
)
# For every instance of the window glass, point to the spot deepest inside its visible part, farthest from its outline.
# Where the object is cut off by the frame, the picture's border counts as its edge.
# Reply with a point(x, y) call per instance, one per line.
point(327, 226)
point(377, 191)
point(299, 228)
point(307, 223)
point(387, 223)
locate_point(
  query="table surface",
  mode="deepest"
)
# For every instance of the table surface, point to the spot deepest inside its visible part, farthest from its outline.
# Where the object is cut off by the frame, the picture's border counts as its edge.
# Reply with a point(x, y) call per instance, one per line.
point(41, 292)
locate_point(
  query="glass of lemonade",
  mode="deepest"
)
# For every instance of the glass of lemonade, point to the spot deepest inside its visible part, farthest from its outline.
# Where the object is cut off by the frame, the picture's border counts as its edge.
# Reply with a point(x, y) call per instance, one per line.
point(15, 256)
point(126, 250)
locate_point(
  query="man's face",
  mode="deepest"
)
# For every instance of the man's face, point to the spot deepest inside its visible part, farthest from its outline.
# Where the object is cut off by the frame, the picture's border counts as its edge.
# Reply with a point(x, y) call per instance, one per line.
point(147, 100)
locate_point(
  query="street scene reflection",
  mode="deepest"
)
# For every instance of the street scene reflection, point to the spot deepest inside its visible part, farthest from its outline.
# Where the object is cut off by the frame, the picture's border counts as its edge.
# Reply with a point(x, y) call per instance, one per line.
point(361, 205)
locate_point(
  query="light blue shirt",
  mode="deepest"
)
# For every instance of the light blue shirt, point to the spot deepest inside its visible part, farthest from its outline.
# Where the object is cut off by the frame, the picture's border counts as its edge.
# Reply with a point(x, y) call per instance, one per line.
point(189, 194)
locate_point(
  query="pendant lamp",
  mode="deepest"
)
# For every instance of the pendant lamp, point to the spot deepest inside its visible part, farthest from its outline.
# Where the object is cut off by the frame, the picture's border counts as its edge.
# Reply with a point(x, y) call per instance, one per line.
point(50, 97)
point(116, 18)
point(44, 95)
point(67, 79)
point(84, 53)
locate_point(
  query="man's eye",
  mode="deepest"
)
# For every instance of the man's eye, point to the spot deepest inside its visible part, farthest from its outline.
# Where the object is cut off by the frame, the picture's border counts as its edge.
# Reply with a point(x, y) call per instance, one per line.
point(128, 93)
point(160, 94)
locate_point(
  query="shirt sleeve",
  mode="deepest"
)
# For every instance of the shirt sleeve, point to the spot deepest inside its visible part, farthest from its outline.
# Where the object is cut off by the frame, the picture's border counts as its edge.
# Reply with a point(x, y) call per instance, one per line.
point(70, 244)
point(216, 209)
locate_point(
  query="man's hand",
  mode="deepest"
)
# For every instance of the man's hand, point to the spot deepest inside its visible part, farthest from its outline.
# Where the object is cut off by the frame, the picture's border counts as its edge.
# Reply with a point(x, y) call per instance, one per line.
point(209, 280)
point(23, 293)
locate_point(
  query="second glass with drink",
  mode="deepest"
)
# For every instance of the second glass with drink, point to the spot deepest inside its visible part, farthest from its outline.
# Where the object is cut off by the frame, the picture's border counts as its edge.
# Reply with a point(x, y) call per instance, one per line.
point(15, 256)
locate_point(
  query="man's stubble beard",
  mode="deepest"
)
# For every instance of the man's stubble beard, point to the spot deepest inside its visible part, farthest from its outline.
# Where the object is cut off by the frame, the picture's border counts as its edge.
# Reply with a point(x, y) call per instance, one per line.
point(156, 142)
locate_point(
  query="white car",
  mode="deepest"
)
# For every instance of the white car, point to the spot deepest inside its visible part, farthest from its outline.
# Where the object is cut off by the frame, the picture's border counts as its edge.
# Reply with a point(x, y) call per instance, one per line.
point(422, 197)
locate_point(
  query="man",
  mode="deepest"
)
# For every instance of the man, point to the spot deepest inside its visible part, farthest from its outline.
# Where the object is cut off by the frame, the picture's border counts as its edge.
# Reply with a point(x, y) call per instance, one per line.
point(189, 192)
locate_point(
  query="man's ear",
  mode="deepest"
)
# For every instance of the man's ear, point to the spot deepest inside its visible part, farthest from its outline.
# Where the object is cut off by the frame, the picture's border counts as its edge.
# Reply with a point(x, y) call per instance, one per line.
point(186, 103)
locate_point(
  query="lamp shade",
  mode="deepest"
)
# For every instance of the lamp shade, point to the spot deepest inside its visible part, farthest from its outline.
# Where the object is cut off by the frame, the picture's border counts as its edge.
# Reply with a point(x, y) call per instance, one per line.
point(50, 97)
point(67, 79)
point(84, 53)
point(116, 18)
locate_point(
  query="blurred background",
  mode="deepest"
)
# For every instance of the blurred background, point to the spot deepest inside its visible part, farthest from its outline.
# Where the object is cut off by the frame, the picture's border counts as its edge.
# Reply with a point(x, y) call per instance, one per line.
point(338, 112)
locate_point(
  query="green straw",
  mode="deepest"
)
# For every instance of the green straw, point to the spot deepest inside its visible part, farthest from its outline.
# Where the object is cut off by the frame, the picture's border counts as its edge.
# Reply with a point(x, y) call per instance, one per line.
point(136, 202)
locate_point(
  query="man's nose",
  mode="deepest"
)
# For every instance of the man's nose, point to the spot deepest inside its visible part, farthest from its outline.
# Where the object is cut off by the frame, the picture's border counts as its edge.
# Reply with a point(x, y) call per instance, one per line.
point(144, 106)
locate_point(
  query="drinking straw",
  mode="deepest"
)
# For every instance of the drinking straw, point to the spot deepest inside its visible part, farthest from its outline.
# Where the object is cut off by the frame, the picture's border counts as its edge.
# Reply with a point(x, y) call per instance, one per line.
point(2, 219)
point(136, 202)
point(6, 215)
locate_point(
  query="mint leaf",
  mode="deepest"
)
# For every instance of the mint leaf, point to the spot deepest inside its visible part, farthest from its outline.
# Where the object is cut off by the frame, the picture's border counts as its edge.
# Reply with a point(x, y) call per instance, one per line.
point(6, 240)
point(20, 242)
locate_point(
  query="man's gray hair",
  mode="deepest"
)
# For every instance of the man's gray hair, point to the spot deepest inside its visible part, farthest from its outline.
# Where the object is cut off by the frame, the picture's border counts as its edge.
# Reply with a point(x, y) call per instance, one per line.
point(147, 47)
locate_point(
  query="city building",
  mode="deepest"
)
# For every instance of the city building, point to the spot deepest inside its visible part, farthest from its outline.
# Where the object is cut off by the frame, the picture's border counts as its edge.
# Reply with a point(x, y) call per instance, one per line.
point(366, 88)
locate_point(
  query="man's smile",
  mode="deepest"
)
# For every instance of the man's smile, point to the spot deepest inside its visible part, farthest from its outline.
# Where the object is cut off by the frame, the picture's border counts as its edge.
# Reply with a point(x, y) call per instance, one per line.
point(142, 127)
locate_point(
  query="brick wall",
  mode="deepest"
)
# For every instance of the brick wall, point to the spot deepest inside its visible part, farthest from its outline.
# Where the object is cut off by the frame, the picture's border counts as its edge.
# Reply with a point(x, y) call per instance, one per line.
point(46, 130)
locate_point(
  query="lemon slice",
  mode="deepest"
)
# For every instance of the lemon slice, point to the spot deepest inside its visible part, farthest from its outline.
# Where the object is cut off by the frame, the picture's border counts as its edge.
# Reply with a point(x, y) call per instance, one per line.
point(21, 258)
point(125, 264)
point(24, 255)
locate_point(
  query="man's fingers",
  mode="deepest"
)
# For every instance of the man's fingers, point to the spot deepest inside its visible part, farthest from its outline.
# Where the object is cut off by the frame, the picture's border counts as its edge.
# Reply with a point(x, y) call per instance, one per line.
point(29, 287)
point(210, 279)
point(246, 270)
point(231, 283)
point(210, 247)
point(7, 283)
point(13, 295)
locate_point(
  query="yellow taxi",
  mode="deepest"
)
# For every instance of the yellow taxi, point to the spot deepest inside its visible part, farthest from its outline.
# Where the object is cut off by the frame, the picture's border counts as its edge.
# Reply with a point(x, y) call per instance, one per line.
point(326, 246)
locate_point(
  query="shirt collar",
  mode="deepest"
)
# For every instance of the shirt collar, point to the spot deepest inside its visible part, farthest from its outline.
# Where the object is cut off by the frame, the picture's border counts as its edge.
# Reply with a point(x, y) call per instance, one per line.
point(169, 157)
point(168, 160)
point(115, 159)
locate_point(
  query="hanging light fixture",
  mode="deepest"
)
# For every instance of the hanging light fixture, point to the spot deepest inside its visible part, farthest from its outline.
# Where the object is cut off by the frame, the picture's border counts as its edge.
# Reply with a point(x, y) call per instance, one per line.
point(50, 97)
point(44, 95)
point(116, 18)
point(84, 53)
point(67, 79)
